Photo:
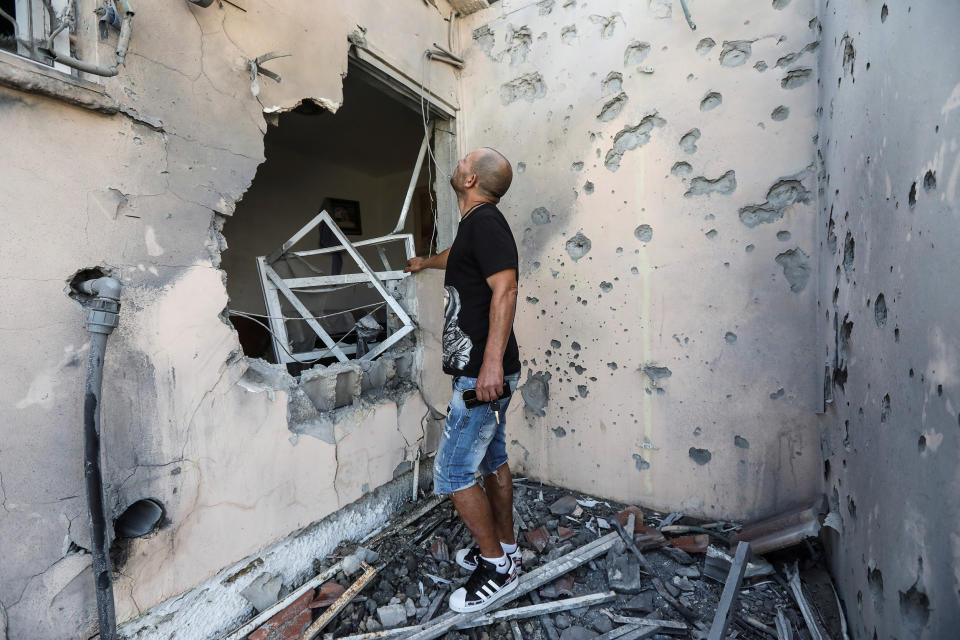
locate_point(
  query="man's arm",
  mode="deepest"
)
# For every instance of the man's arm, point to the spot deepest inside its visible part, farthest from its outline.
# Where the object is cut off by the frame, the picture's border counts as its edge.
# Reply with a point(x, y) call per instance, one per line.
point(503, 306)
point(438, 261)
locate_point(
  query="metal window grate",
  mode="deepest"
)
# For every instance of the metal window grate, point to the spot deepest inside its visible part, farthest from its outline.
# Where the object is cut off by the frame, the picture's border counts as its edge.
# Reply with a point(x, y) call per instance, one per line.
point(37, 29)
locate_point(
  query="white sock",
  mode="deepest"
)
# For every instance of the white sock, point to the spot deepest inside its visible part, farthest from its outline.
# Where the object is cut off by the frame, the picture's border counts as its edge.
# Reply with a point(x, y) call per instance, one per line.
point(502, 563)
point(508, 548)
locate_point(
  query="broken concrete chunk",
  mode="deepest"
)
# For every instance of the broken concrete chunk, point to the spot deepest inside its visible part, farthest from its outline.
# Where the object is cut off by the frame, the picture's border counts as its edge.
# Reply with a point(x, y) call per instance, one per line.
point(392, 615)
point(264, 591)
point(688, 571)
point(564, 533)
point(564, 506)
point(641, 603)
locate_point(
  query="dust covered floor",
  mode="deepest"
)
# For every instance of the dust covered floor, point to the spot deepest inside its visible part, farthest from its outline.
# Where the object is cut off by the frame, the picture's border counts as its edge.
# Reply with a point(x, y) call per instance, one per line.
point(416, 572)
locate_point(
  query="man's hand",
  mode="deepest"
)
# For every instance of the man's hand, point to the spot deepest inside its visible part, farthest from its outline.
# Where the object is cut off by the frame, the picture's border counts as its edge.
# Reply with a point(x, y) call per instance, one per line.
point(414, 265)
point(490, 381)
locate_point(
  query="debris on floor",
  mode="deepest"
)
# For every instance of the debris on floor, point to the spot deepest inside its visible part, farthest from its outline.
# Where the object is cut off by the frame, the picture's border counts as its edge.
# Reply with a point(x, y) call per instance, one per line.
point(592, 569)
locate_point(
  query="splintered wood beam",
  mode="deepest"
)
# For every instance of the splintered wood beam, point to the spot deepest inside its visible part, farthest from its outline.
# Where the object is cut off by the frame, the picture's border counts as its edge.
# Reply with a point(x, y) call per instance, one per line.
point(528, 582)
point(731, 591)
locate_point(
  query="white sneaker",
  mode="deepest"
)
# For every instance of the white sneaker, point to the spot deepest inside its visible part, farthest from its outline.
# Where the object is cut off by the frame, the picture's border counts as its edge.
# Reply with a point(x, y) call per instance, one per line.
point(468, 558)
point(484, 587)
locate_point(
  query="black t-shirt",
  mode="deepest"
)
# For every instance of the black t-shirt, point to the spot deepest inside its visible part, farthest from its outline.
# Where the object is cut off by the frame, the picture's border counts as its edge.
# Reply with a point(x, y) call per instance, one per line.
point(484, 246)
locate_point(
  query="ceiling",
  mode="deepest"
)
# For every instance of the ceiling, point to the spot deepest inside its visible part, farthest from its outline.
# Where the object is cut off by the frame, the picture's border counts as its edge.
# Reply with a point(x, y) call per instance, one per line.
point(371, 132)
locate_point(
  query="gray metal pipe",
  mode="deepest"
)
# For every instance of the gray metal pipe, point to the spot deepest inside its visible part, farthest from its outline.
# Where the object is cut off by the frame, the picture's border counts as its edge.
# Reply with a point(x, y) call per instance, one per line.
point(102, 318)
point(123, 42)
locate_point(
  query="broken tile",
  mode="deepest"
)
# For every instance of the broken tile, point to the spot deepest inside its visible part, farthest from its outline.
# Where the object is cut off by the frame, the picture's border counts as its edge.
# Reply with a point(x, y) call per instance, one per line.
point(294, 617)
point(564, 506)
point(563, 533)
point(691, 544)
point(648, 538)
point(327, 594)
point(624, 515)
point(562, 586)
point(537, 538)
point(439, 550)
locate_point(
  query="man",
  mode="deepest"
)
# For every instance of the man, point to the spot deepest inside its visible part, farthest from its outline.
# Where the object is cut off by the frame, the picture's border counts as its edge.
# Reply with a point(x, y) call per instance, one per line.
point(480, 352)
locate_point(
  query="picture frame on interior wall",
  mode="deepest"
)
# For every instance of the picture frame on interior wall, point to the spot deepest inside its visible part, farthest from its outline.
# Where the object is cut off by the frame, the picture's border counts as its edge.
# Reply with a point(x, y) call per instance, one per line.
point(346, 213)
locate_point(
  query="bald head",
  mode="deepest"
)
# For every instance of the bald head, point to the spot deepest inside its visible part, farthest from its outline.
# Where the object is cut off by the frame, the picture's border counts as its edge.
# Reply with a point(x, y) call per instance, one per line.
point(483, 175)
point(493, 171)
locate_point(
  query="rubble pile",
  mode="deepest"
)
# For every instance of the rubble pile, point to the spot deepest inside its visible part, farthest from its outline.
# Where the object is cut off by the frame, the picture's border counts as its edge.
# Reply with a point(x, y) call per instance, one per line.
point(591, 569)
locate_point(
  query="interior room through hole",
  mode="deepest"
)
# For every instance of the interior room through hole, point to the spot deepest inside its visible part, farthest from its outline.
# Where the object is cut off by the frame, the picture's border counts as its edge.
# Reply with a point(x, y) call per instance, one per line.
point(357, 164)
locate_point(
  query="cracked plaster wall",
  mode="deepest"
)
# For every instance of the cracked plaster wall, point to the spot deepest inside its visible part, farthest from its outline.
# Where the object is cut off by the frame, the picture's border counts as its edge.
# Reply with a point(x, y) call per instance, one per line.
point(890, 152)
point(141, 193)
point(664, 203)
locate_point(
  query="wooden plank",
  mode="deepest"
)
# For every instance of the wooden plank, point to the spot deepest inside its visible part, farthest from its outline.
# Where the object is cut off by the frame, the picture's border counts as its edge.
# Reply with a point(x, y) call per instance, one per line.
point(271, 611)
point(506, 615)
point(528, 582)
point(341, 602)
point(545, 622)
point(648, 622)
point(544, 608)
point(731, 591)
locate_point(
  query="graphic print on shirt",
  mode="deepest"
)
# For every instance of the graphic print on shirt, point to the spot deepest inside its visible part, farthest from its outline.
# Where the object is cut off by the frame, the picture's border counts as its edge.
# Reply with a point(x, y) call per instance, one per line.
point(456, 344)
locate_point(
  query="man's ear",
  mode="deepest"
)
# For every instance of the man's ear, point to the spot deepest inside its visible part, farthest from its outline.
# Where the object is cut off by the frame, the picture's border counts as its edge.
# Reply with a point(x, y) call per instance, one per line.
point(470, 180)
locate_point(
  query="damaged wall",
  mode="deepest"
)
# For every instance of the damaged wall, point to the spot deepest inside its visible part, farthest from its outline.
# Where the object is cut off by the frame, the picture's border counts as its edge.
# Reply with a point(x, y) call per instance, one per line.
point(665, 206)
point(890, 148)
point(142, 193)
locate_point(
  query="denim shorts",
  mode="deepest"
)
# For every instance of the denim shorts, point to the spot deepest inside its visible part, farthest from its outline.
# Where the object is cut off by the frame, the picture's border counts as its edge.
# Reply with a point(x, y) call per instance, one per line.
point(471, 439)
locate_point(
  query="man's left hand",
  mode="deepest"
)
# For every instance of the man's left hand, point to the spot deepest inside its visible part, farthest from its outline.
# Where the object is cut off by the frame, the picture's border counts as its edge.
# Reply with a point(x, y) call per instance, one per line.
point(490, 382)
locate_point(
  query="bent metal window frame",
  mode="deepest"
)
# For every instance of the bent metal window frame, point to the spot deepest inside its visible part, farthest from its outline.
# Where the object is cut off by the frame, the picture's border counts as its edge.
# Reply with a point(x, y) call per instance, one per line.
point(273, 285)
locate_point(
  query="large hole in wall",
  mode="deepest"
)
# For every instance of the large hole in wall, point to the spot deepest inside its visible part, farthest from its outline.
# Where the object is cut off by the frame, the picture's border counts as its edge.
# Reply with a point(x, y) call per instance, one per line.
point(357, 164)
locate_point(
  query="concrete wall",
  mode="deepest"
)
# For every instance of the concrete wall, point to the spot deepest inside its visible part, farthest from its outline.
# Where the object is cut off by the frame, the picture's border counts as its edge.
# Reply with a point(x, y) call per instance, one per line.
point(142, 193)
point(665, 207)
point(890, 146)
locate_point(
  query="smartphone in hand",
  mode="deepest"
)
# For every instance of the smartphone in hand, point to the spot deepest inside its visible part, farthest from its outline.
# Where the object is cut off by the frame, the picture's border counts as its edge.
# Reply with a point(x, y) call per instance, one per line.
point(470, 396)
